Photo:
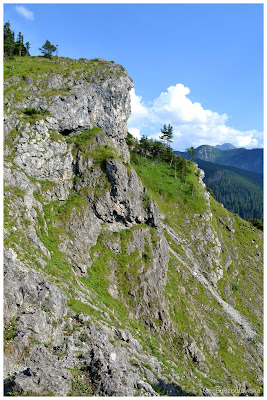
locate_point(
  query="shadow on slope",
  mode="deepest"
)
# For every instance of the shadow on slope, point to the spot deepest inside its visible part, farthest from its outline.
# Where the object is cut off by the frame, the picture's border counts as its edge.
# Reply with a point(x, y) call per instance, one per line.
point(170, 389)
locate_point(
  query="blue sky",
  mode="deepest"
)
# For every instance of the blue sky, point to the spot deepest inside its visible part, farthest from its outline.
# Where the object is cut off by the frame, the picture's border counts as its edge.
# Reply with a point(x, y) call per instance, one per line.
point(198, 67)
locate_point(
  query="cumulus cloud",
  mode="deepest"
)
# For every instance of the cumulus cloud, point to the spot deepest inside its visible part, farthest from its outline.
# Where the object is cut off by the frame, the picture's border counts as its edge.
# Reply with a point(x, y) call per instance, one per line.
point(25, 12)
point(135, 132)
point(192, 124)
point(138, 109)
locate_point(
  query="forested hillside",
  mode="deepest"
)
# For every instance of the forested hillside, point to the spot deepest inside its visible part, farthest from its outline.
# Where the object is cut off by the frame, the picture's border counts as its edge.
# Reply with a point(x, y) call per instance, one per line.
point(240, 191)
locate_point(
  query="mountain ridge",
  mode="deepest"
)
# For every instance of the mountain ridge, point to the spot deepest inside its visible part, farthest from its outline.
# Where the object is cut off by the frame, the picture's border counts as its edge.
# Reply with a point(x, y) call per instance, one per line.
point(251, 160)
point(225, 146)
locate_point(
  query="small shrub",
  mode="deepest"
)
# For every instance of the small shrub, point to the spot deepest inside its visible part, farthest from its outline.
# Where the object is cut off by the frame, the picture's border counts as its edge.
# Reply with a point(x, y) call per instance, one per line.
point(135, 159)
point(10, 331)
point(32, 114)
point(83, 337)
point(210, 191)
point(81, 384)
point(257, 223)
point(57, 350)
point(46, 309)
point(235, 287)
point(31, 111)
point(146, 200)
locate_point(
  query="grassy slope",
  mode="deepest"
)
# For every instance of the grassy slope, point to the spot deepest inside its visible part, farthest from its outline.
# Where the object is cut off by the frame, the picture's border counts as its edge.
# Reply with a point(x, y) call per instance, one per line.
point(176, 202)
point(35, 67)
point(178, 199)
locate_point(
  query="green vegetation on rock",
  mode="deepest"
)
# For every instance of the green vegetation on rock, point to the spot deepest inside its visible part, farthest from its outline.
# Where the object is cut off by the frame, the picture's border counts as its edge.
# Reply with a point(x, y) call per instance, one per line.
point(130, 266)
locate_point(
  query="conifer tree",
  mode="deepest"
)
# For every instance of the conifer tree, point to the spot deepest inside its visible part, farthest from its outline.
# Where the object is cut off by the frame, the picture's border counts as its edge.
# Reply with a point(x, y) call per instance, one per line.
point(9, 42)
point(192, 152)
point(167, 134)
point(48, 49)
point(144, 145)
point(27, 48)
point(19, 45)
point(12, 47)
point(157, 150)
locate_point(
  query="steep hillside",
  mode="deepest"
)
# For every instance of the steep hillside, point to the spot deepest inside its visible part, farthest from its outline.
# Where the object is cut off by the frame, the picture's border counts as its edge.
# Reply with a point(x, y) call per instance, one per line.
point(120, 279)
point(240, 191)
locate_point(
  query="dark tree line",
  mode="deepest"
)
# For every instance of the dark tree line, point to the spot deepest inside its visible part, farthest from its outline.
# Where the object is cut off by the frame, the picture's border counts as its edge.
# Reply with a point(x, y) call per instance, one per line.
point(17, 47)
point(14, 47)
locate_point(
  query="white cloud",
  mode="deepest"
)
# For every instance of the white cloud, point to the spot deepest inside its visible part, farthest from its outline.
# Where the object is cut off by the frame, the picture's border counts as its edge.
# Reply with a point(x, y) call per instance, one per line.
point(25, 12)
point(139, 110)
point(192, 124)
point(135, 132)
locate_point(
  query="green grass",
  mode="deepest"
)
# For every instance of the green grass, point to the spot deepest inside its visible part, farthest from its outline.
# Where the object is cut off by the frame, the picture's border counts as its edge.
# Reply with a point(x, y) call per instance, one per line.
point(191, 303)
point(126, 271)
point(247, 284)
point(82, 140)
point(34, 66)
point(10, 331)
point(38, 68)
point(81, 384)
point(79, 307)
point(61, 211)
point(161, 184)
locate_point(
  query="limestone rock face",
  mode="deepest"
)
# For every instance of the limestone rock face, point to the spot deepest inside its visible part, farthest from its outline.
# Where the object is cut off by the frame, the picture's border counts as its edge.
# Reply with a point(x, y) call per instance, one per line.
point(124, 202)
point(41, 307)
point(44, 375)
point(192, 351)
point(29, 289)
point(100, 99)
point(48, 171)
point(151, 287)
point(104, 103)
point(103, 294)
point(41, 157)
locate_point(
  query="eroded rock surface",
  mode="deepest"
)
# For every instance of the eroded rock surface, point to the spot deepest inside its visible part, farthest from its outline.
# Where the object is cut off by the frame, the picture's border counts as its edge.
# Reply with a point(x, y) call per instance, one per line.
point(104, 295)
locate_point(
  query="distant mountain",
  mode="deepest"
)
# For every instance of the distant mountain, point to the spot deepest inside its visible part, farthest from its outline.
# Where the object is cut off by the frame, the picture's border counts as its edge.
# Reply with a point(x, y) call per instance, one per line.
point(240, 191)
point(251, 160)
point(208, 153)
point(225, 146)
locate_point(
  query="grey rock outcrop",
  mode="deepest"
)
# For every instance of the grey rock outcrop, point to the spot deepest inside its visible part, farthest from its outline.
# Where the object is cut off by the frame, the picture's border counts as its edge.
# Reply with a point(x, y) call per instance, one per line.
point(103, 295)
point(39, 307)
point(104, 103)
point(35, 309)
point(44, 376)
point(192, 351)
point(41, 157)
point(124, 202)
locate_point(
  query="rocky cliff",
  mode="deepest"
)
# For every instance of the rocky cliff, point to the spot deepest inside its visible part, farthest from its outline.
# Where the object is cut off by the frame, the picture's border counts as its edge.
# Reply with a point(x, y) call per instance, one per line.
point(109, 290)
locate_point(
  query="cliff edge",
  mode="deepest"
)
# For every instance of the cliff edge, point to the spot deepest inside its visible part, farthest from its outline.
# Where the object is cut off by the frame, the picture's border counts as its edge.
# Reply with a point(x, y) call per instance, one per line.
point(110, 287)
